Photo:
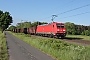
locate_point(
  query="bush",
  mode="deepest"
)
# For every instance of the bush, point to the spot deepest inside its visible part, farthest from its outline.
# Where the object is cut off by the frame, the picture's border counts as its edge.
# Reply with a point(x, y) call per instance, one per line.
point(3, 47)
point(87, 33)
point(83, 33)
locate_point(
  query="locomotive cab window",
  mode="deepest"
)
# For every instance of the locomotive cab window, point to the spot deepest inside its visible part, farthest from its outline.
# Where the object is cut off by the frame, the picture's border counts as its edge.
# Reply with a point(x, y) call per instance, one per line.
point(60, 25)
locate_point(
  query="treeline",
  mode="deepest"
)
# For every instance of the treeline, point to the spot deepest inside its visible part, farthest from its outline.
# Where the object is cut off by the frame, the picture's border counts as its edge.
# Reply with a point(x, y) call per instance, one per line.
point(26, 25)
point(72, 29)
point(29, 24)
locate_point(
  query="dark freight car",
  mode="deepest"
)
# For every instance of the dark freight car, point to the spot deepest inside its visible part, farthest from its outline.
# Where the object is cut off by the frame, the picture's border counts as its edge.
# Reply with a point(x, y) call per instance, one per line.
point(25, 30)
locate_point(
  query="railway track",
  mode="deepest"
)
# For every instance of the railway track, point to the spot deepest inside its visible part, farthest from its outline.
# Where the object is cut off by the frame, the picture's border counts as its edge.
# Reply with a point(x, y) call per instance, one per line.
point(72, 40)
point(83, 42)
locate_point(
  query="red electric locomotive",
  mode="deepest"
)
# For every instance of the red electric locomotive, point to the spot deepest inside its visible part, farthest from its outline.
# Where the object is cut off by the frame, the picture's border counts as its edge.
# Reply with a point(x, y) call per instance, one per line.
point(54, 29)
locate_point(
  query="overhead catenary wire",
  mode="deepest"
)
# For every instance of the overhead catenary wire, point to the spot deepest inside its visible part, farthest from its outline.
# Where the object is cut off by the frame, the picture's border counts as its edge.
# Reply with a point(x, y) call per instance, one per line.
point(56, 8)
point(62, 5)
point(68, 11)
point(75, 15)
point(74, 9)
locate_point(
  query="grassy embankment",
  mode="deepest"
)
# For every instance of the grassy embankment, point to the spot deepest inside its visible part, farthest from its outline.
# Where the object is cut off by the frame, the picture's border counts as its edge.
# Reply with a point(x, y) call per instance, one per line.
point(56, 48)
point(83, 37)
point(3, 47)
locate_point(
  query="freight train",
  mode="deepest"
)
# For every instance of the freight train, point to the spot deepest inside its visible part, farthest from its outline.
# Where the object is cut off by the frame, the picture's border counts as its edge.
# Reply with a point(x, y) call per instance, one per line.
point(54, 29)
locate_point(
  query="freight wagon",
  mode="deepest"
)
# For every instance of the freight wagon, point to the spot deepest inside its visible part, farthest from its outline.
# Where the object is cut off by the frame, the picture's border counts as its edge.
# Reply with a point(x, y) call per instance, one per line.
point(32, 30)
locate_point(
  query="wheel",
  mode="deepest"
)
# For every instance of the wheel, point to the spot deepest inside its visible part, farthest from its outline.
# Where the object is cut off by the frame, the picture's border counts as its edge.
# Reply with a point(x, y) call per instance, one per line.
point(62, 36)
point(51, 36)
point(57, 37)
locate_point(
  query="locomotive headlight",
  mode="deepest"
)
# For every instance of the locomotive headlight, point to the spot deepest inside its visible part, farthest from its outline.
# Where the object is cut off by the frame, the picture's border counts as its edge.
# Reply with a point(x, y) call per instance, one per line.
point(63, 30)
point(54, 34)
point(58, 30)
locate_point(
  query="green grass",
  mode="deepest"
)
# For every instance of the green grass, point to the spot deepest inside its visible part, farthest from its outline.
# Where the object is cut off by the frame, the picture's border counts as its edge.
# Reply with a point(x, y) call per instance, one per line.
point(3, 47)
point(83, 37)
point(56, 48)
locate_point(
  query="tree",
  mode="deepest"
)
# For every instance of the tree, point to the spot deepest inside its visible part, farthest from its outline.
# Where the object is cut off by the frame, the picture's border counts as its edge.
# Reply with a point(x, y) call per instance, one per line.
point(38, 23)
point(23, 25)
point(88, 28)
point(5, 20)
point(87, 33)
point(70, 28)
point(26, 24)
point(11, 27)
point(29, 24)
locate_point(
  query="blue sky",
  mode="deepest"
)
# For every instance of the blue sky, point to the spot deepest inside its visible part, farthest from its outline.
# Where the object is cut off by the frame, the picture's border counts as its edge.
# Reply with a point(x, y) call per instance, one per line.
point(42, 10)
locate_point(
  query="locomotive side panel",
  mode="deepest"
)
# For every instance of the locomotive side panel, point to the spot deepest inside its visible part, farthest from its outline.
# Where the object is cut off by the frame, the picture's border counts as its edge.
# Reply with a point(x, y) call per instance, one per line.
point(44, 30)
